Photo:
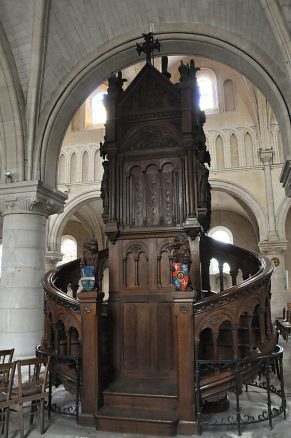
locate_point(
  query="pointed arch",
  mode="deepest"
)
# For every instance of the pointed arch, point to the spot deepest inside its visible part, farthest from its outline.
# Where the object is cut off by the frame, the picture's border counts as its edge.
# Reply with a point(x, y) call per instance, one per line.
point(85, 167)
point(220, 159)
point(249, 149)
point(73, 168)
point(234, 155)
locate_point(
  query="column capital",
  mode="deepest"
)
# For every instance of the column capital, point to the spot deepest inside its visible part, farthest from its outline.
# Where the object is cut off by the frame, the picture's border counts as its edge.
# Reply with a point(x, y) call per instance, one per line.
point(53, 257)
point(33, 197)
point(266, 155)
point(273, 246)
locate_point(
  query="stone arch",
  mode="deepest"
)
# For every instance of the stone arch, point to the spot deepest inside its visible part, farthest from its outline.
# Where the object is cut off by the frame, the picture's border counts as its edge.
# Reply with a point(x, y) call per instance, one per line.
point(281, 217)
point(82, 79)
point(59, 221)
point(256, 214)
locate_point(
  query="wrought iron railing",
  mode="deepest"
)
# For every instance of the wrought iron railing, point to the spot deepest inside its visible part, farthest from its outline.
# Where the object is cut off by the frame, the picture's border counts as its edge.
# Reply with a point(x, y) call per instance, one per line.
point(265, 365)
point(73, 362)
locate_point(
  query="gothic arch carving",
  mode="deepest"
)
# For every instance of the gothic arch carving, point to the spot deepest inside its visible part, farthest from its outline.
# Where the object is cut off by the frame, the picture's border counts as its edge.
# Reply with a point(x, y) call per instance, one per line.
point(281, 217)
point(150, 137)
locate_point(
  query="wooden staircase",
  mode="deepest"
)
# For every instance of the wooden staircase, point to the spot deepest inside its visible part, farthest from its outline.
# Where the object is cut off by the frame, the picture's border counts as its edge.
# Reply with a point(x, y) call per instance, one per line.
point(133, 405)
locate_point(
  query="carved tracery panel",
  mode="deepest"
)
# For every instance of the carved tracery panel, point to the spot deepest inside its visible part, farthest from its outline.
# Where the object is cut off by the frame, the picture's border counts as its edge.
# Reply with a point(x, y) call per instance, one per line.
point(153, 195)
point(137, 197)
point(153, 189)
point(135, 267)
point(168, 194)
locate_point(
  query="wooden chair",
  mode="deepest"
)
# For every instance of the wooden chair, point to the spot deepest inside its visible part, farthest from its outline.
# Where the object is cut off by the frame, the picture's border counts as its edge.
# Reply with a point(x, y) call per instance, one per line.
point(6, 356)
point(32, 384)
point(7, 371)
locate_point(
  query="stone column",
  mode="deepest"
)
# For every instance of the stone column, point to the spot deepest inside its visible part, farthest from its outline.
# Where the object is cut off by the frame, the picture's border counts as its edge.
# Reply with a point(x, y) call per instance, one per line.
point(274, 250)
point(25, 207)
point(266, 156)
point(273, 247)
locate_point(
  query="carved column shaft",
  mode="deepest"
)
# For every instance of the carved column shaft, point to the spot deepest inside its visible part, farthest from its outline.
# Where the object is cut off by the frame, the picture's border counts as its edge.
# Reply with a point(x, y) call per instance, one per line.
point(91, 312)
point(183, 305)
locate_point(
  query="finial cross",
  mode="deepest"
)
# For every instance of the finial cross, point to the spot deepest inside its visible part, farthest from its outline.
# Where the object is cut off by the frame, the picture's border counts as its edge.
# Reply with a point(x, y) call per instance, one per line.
point(150, 44)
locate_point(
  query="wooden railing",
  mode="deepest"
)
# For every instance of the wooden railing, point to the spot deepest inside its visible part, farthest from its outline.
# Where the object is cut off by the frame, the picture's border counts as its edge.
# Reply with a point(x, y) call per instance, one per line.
point(63, 331)
point(235, 322)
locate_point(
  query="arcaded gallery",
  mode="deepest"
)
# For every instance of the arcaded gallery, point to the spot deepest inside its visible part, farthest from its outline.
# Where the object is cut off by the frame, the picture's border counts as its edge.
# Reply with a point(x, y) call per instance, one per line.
point(145, 167)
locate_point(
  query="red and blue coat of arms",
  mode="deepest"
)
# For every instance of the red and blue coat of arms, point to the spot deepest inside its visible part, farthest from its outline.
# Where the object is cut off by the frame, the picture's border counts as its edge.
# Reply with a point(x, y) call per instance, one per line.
point(180, 275)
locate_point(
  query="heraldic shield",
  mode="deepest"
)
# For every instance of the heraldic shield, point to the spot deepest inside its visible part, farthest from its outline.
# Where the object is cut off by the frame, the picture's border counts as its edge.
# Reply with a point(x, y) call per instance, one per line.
point(88, 278)
point(180, 275)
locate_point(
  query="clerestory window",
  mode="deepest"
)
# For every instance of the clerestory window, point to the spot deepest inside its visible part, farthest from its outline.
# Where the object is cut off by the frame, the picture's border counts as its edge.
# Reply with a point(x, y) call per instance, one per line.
point(98, 111)
point(207, 84)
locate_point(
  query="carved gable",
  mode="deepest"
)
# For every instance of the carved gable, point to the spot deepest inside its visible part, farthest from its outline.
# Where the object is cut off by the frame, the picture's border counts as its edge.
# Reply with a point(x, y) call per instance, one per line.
point(149, 92)
point(150, 97)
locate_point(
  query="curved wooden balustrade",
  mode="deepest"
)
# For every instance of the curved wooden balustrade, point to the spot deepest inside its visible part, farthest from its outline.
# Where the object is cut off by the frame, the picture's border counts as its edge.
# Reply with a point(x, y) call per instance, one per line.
point(63, 320)
point(236, 322)
point(232, 323)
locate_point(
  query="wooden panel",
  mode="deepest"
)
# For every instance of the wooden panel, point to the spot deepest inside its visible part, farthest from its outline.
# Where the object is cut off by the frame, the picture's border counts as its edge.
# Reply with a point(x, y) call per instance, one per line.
point(148, 342)
point(137, 342)
point(166, 337)
point(129, 336)
point(130, 270)
point(165, 270)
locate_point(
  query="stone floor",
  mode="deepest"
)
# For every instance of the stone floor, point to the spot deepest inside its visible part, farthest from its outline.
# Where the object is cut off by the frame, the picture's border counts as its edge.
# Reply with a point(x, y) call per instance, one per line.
point(62, 426)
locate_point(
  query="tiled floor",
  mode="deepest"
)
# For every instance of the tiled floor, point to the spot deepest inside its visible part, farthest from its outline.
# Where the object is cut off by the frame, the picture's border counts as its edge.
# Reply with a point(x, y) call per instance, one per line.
point(62, 426)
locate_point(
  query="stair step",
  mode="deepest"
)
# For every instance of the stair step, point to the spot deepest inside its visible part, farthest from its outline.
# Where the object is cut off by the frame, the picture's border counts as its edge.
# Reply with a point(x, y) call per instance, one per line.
point(139, 401)
point(134, 420)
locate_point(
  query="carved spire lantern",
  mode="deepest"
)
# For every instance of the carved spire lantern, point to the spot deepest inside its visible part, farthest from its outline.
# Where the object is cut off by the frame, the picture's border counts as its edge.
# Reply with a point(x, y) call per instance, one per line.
point(155, 178)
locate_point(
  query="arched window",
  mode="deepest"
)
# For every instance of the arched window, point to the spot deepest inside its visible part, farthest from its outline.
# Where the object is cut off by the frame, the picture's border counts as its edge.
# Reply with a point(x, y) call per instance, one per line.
point(68, 248)
point(222, 234)
point(95, 112)
point(207, 84)
point(98, 111)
